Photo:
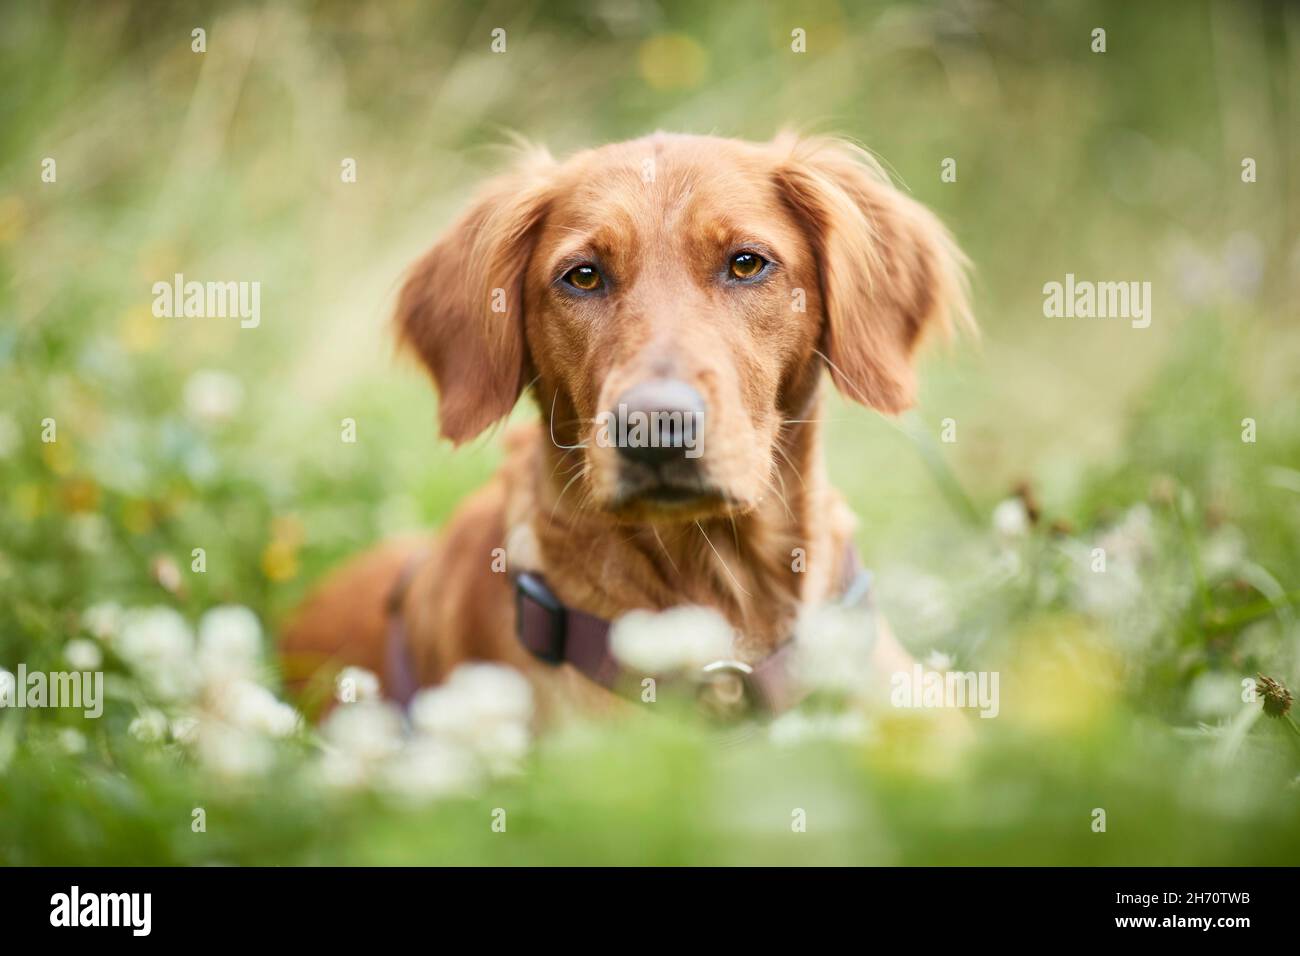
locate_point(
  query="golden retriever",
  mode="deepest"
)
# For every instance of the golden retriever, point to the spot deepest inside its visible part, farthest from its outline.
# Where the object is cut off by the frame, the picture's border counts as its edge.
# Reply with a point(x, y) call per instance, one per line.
point(709, 282)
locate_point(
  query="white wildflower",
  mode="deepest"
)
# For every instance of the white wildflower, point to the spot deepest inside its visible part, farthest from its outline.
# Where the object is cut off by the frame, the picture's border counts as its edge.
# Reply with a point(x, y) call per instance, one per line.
point(230, 644)
point(355, 684)
point(1132, 540)
point(185, 730)
point(359, 738)
point(1011, 518)
point(149, 727)
point(484, 709)
point(681, 638)
point(104, 620)
point(833, 647)
point(212, 396)
point(71, 741)
point(427, 769)
point(231, 751)
point(250, 706)
point(83, 655)
point(369, 731)
point(157, 643)
point(341, 770)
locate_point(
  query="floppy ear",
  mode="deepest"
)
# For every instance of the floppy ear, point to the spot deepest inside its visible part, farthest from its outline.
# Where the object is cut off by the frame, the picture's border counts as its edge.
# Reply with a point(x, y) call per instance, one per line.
point(887, 267)
point(461, 307)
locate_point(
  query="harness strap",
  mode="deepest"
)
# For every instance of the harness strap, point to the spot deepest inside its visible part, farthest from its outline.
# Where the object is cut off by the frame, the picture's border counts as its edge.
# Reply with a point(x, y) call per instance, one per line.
point(399, 666)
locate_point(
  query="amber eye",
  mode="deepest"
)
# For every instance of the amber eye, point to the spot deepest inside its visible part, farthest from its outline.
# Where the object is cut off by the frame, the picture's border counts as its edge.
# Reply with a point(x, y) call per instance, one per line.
point(746, 265)
point(585, 278)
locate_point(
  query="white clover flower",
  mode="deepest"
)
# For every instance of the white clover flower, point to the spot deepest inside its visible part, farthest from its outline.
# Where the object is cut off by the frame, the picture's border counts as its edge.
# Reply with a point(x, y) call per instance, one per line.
point(678, 639)
point(1011, 518)
point(231, 751)
point(368, 731)
point(149, 727)
point(484, 709)
point(250, 706)
point(104, 620)
point(230, 644)
point(185, 730)
point(71, 741)
point(83, 655)
point(355, 684)
point(8, 688)
point(427, 769)
point(212, 396)
point(157, 643)
point(833, 647)
point(340, 770)
point(1131, 540)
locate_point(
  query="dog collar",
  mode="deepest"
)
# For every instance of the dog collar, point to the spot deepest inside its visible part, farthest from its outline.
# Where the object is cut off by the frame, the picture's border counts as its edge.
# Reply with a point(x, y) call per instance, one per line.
point(557, 634)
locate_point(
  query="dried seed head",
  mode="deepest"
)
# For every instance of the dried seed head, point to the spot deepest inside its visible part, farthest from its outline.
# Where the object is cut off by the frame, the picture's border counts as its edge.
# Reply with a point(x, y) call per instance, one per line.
point(1277, 699)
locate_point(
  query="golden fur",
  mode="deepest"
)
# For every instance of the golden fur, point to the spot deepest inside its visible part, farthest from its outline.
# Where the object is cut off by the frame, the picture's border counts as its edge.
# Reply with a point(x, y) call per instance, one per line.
point(861, 270)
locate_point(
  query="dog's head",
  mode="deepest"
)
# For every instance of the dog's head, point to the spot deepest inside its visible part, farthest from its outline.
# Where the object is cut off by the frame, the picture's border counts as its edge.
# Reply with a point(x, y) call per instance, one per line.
point(672, 301)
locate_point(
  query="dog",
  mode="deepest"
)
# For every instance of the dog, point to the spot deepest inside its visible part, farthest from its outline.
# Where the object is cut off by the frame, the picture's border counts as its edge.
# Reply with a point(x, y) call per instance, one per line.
point(705, 286)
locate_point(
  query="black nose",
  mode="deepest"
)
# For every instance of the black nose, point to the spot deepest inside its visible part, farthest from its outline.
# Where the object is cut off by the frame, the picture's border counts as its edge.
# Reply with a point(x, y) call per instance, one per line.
point(658, 421)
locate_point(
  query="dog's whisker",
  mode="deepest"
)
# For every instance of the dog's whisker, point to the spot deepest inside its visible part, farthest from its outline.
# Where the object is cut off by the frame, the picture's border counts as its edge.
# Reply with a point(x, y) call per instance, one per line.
point(862, 395)
point(560, 497)
point(734, 580)
point(782, 452)
point(664, 549)
point(780, 494)
point(551, 423)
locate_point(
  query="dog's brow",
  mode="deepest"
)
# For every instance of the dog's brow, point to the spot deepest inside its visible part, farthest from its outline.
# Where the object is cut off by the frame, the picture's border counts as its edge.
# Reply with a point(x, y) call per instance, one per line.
point(578, 247)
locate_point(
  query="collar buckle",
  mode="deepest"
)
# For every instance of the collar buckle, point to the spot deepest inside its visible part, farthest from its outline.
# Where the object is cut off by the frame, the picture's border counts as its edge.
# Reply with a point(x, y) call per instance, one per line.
point(726, 690)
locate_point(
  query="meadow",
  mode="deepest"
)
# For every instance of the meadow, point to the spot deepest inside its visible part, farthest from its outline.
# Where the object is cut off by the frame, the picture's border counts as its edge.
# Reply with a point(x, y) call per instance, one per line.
point(170, 487)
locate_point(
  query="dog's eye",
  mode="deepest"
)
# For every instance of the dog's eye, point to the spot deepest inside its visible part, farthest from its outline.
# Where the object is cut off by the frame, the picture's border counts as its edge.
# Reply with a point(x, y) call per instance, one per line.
point(585, 277)
point(746, 265)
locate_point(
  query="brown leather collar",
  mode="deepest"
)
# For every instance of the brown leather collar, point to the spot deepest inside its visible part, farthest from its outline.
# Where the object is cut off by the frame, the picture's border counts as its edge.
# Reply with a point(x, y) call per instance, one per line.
point(557, 634)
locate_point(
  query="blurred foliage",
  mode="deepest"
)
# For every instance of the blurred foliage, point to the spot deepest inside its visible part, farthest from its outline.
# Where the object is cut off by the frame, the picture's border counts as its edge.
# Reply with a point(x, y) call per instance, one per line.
point(1121, 690)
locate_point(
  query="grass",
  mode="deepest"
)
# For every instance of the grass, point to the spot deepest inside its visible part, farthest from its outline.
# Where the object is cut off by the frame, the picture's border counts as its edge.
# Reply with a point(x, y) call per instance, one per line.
point(1120, 691)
